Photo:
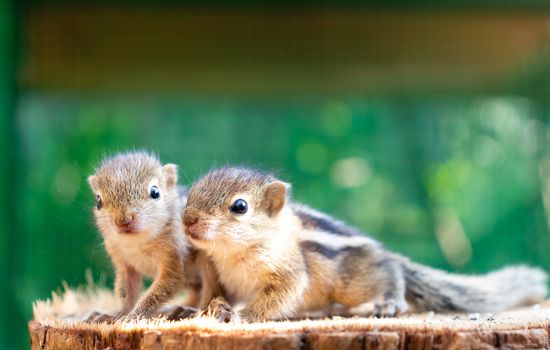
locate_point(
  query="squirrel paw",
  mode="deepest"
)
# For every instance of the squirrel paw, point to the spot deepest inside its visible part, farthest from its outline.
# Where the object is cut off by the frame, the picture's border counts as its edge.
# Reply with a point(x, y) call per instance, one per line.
point(390, 308)
point(100, 317)
point(220, 310)
point(176, 312)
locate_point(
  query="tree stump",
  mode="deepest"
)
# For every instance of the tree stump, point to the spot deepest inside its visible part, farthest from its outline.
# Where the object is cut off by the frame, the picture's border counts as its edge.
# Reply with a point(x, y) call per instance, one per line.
point(56, 325)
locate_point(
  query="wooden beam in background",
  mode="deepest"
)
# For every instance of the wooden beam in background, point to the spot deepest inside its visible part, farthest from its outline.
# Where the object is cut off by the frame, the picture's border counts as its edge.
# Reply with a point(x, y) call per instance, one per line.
point(273, 51)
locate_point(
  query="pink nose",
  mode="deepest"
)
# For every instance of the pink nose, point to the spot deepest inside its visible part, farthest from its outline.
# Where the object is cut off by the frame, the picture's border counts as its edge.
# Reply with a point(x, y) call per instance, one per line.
point(125, 220)
point(190, 221)
point(192, 228)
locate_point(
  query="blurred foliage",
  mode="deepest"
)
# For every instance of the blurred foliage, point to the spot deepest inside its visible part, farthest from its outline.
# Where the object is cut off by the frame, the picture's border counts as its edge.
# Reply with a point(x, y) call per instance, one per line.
point(454, 183)
point(7, 108)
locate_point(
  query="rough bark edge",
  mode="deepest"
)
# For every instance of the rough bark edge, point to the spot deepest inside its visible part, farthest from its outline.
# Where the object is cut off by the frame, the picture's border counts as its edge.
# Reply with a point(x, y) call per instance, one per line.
point(45, 338)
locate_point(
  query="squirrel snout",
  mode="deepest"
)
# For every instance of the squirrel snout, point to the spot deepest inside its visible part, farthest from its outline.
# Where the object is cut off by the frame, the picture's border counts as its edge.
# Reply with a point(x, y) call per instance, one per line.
point(190, 220)
point(125, 219)
point(192, 226)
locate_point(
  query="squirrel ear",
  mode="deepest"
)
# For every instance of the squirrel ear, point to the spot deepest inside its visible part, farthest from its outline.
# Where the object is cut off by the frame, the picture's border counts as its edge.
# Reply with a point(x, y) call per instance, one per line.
point(275, 197)
point(92, 181)
point(170, 173)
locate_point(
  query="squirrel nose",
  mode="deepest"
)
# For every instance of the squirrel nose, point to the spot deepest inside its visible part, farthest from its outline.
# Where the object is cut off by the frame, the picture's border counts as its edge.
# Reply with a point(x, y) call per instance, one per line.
point(125, 219)
point(190, 220)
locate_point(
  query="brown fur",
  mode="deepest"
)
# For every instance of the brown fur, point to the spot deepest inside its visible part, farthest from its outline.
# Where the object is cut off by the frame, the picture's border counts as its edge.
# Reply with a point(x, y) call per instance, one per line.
point(281, 259)
point(156, 247)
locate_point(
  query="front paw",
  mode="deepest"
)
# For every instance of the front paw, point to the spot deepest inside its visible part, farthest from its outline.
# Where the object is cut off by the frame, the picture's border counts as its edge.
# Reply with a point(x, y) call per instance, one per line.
point(176, 312)
point(390, 308)
point(220, 310)
point(100, 317)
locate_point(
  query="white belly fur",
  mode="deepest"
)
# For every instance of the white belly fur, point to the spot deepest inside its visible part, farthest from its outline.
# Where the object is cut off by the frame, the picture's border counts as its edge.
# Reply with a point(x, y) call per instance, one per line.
point(239, 279)
point(137, 251)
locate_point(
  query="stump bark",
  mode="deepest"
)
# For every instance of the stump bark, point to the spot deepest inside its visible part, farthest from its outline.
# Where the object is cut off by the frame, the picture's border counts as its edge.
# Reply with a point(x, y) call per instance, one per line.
point(57, 325)
point(328, 337)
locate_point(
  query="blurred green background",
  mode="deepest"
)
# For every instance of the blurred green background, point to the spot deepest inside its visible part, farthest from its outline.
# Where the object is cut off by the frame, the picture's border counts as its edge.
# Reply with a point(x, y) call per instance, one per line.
point(425, 124)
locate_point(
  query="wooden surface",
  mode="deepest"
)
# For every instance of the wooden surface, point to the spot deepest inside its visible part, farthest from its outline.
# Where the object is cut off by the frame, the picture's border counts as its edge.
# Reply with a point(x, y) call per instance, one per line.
point(58, 324)
point(44, 337)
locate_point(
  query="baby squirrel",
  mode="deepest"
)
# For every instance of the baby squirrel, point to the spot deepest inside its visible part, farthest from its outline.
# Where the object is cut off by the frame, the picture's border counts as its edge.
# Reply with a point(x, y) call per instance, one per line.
point(281, 258)
point(137, 210)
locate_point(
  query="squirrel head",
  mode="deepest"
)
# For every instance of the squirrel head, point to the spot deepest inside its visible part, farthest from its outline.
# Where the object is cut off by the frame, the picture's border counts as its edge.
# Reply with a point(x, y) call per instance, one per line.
point(134, 194)
point(235, 207)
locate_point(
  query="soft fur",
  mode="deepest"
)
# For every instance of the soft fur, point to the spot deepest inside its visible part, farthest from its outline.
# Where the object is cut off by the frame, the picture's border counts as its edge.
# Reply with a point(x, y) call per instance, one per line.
point(281, 259)
point(154, 245)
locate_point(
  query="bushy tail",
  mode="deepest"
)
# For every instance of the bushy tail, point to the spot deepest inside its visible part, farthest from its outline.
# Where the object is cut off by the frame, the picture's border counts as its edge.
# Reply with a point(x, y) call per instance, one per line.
point(435, 290)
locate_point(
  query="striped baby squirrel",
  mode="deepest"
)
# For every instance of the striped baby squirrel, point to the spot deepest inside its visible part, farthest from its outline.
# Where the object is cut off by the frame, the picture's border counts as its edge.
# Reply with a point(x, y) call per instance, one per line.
point(137, 210)
point(281, 258)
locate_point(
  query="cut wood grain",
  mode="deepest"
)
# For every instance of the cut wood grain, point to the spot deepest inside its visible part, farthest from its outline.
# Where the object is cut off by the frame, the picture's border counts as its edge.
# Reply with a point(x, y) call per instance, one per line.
point(57, 325)
point(45, 337)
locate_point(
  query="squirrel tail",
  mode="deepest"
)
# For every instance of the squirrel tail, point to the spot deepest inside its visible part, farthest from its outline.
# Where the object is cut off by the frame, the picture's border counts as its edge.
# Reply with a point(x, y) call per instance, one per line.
point(430, 289)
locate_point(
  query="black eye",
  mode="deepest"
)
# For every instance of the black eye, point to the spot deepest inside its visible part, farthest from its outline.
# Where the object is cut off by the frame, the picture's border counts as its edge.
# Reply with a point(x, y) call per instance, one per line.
point(155, 193)
point(98, 202)
point(239, 207)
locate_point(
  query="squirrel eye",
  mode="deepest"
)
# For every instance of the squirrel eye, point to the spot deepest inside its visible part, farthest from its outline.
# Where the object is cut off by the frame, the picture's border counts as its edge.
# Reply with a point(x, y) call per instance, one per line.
point(98, 202)
point(239, 207)
point(155, 193)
